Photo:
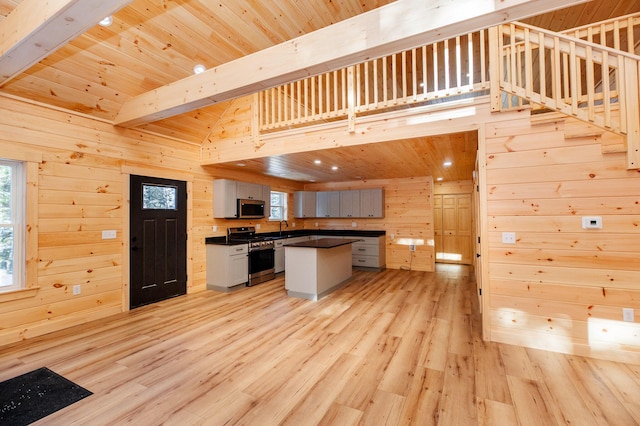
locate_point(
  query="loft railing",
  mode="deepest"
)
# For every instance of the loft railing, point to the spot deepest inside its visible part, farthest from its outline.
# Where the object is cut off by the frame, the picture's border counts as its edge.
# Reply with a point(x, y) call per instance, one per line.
point(446, 69)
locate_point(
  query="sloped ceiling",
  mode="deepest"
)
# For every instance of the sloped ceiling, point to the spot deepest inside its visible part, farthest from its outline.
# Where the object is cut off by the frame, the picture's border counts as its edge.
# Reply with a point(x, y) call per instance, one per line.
point(155, 42)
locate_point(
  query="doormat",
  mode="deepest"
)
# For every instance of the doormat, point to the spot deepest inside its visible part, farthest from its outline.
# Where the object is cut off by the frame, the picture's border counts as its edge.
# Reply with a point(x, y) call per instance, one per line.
point(34, 395)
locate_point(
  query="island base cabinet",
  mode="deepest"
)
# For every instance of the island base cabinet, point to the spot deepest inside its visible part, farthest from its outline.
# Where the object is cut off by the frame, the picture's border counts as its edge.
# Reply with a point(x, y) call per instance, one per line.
point(227, 267)
point(313, 273)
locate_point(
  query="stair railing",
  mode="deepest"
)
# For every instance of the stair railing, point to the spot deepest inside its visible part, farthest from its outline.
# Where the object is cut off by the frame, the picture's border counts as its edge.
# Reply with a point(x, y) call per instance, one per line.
point(567, 71)
point(621, 33)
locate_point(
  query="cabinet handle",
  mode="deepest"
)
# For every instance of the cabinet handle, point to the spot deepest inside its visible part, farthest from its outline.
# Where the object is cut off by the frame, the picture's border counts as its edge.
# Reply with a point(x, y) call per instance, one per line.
point(361, 249)
point(361, 260)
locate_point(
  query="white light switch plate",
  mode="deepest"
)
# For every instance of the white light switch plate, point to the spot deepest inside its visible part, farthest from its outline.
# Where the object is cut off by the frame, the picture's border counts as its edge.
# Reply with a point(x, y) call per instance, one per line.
point(508, 238)
point(628, 315)
point(108, 234)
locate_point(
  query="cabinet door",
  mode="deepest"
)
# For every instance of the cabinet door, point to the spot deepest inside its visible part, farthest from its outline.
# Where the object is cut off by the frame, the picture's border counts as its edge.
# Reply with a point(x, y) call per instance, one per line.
point(249, 191)
point(350, 203)
point(304, 204)
point(238, 269)
point(371, 202)
point(266, 197)
point(328, 204)
point(224, 198)
point(278, 263)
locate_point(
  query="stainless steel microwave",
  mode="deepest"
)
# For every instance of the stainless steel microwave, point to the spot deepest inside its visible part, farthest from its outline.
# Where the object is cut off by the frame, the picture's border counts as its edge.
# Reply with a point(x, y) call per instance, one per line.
point(250, 209)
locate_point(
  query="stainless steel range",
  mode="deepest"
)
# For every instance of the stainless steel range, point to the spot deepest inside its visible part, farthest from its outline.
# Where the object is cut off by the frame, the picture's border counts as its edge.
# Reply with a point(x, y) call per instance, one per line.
point(261, 253)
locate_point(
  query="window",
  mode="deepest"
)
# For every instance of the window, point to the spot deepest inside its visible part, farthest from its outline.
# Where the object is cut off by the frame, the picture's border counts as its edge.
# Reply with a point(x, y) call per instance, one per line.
point(278, 206)
point(159, 197)
point(12, 212)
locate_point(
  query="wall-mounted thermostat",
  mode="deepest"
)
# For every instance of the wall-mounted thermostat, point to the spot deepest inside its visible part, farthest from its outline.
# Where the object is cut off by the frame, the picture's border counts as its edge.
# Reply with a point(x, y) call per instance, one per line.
point(591, 222)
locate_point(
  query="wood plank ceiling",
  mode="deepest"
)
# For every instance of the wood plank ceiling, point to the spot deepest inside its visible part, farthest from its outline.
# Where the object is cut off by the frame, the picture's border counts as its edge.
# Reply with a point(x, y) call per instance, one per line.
point(155, 42)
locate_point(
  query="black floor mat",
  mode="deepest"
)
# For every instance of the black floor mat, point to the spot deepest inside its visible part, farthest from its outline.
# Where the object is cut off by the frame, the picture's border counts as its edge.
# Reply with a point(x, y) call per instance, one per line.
point(34, 395)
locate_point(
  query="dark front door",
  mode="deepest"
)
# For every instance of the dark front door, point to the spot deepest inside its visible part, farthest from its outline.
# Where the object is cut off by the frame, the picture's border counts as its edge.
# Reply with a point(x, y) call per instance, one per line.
point(158, 225)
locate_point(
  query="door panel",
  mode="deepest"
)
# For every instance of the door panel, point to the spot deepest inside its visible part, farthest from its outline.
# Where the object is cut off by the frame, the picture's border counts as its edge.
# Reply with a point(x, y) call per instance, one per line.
point(158, 240)
point(452, 215)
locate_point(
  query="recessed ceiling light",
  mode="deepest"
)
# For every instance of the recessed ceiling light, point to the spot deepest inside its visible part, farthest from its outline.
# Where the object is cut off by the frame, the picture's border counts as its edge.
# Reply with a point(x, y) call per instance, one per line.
point(439, 179)
point(447, 163)
point(334, 167)
point(199, 69)
point(105, 22)
point(317, 162)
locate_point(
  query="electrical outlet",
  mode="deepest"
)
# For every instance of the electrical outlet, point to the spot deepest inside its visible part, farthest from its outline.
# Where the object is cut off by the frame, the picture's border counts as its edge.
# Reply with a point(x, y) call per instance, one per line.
point(76, 289)
point(508, 238)
point(628, 315)
point(412, 247)
point(214, 228)
point(316, 224)
point(257, 226)
point(393, 236)
point(354, 225)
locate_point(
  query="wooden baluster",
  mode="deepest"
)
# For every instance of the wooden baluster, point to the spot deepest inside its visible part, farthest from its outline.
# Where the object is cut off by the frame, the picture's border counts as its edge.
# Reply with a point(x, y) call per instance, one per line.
point(606, 92)
point(375, 85)
point(367, 100)
point(514, 62)
point(414, 76)
point(343, 87)
point(483, 60)
point(394, 79)
point(358, 87)
point(351, 107)
point(299, 98)
point(590, 84)
point(385, 86)
point(542, 70)
point(306, 99)
point(313, 87)
point(404, 75)
point(424, 72)
point(528, 64)
point(574, 70)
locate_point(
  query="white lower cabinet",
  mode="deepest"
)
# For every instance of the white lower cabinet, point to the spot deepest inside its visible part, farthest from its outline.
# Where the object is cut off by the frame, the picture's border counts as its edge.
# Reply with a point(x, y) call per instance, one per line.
point(227, 266)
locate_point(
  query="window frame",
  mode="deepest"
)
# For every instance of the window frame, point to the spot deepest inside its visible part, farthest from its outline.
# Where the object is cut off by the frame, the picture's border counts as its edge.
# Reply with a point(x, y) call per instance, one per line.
point(17, 224)
point(283, 207)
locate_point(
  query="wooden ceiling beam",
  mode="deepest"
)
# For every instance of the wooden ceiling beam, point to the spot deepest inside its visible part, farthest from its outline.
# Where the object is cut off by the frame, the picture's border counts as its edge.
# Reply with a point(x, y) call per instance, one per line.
point(398, 26)
point(36, 28)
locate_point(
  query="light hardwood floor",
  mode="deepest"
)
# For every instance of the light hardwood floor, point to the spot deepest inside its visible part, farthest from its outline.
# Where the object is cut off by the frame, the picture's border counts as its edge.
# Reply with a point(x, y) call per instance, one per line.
point(396, 348)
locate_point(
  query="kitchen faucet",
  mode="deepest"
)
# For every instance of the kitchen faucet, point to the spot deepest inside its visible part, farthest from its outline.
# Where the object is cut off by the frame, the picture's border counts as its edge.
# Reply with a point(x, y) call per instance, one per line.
point(286, 224)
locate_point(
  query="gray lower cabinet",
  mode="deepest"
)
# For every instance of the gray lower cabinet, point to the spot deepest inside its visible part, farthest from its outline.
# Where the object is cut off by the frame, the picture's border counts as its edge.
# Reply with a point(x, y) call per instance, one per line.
point(279, 255)
point(227, 266)
point(369, 253)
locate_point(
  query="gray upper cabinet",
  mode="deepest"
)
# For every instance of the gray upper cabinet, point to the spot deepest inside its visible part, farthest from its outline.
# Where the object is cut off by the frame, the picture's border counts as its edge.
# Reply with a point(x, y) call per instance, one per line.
point(328, 204)
point(304, 204)
point(226, 193)
point(350, 203)
point(224, 198)
point(372, 202)
point(249, 191)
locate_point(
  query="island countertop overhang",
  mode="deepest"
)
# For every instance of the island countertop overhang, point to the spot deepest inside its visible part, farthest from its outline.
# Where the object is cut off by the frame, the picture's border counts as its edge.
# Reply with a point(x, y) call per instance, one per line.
point(324, 243)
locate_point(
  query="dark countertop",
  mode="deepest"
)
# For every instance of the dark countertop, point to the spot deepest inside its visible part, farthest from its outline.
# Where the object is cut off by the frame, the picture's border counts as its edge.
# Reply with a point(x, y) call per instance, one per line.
point(324, 243)
point(302, 233)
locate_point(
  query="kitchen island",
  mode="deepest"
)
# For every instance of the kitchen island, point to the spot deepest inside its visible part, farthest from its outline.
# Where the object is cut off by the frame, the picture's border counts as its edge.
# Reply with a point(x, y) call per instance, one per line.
point(317, 267)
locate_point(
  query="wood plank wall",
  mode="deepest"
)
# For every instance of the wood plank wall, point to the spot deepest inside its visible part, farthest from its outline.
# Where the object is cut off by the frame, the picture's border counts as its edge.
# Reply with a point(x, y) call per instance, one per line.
point(561, 287)
point(408, 214)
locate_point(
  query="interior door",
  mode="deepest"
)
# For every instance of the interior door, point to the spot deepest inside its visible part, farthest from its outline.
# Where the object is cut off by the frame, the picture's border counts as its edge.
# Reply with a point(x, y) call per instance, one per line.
point(158, 246)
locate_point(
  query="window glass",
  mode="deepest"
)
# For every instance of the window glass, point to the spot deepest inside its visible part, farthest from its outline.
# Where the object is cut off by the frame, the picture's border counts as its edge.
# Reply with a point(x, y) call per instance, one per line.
point(11, 220)
point(159, 197)
point(278, 209)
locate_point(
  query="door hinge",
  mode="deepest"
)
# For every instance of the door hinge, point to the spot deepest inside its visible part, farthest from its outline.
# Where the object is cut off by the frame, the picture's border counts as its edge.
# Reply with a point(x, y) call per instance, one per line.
point(478, 240)
point(480, 291)
point(477, 188)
